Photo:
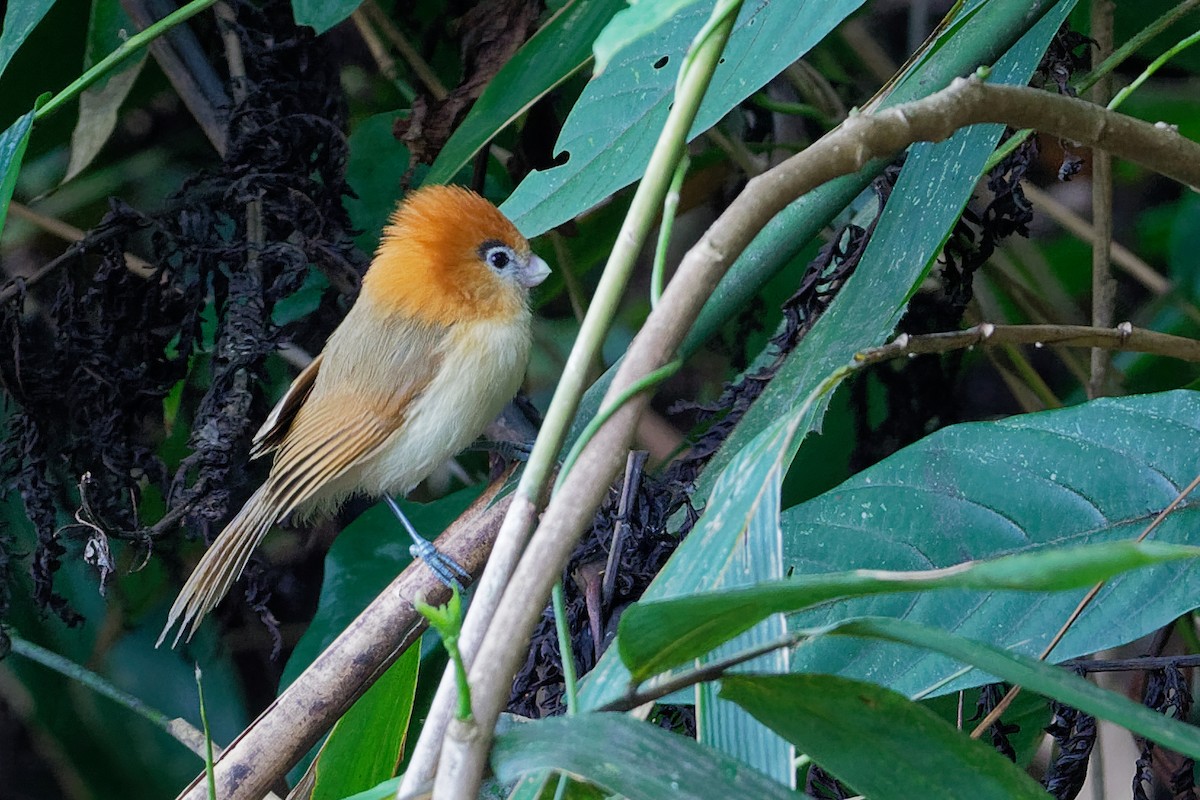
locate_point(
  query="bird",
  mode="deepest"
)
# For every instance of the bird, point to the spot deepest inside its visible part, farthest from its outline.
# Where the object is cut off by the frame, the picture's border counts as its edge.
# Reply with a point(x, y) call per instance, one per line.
point(435, 345)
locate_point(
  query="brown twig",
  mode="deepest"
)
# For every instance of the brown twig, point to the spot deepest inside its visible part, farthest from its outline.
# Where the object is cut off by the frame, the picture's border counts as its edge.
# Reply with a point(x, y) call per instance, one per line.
point(1104, 292)
point(419, 66)
point(1123, 337)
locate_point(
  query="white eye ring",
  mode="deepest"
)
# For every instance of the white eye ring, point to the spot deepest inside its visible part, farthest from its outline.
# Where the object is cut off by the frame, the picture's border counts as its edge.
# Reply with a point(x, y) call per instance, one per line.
point(499, 257)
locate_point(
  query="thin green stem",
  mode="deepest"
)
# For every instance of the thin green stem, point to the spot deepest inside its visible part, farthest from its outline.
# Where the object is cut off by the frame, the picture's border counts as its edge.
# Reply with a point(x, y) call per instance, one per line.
point(670, 206)
point(806, 110)
point(176, 728)
point(695, 74)
point(1137, 42)
point(209, 774)
point(566, 652)
point(646, 382)
point(125, 50)
point(1154, 66)
point(447, 621)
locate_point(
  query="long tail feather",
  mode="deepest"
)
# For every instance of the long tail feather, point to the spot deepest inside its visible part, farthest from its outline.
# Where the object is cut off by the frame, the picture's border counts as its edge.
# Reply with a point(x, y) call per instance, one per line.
point(221, 565)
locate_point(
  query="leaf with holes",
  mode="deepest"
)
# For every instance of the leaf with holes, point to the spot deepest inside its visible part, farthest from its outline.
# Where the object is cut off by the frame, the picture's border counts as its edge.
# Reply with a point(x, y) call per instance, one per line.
point(608, 150)
point(557, 51)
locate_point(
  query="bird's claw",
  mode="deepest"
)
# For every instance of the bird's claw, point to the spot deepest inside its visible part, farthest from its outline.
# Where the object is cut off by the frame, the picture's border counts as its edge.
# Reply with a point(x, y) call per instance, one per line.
point(447, 570)
point(509, 451)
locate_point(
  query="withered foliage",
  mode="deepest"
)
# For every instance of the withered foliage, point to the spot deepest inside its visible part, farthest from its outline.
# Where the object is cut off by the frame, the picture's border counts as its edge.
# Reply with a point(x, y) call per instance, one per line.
point(88, 359)
point(1074, 734)
point(1167, 692)
point(491, 33)
point(999, 731)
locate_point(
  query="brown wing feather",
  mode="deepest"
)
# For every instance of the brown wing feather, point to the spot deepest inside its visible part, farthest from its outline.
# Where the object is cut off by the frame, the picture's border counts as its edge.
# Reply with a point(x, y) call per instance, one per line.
point(330, 420)
point(293, 481)
point(276, 426)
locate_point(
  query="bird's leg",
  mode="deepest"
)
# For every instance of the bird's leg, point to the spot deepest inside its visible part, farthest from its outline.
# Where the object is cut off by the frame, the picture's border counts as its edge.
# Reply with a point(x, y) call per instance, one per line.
point(446, 568)
point(511, 435)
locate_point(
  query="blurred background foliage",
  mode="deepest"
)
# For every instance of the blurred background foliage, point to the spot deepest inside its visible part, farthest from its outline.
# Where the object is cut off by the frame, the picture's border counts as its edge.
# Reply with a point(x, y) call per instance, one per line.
point(374, 98)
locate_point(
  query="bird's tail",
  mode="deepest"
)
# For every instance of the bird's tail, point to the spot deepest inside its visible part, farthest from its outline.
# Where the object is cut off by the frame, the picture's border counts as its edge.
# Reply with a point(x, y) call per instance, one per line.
point(220, 566)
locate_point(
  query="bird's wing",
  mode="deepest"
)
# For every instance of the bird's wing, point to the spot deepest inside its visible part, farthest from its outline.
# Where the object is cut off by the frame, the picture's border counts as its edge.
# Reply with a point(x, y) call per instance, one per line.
point(357, 405)
point(275, 428)
point(325, 437)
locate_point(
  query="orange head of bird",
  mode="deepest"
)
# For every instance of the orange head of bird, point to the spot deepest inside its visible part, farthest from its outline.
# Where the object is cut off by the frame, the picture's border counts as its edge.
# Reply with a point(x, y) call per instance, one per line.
point(447, 255)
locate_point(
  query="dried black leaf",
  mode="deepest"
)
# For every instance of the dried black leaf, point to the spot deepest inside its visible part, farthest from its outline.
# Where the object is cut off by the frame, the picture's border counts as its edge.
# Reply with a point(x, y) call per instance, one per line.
point(87, 377)
point(823, 786)
point(1074, 733)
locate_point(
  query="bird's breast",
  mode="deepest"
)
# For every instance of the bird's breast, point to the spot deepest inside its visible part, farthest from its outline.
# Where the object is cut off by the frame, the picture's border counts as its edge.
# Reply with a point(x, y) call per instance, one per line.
point(481, 366)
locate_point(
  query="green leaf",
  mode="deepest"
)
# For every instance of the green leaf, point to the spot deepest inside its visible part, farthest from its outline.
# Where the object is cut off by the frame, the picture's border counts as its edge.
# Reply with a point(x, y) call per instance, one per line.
point(108, 26)
point(556, 52)
point(374, 170)
point(642, 18)
point(382, 791)
point(755, 484)
point(321, 15)
point(656, 636)
point(628, 757)
point(608, 151)
point(366, 745)
point(20, 18)
point(865, 736)
point(1036, 676)
point(12, 149)
point(1094, 473)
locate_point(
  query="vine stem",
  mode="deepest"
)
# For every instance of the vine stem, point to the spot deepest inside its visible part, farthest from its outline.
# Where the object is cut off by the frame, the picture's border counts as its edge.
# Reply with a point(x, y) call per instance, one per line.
point(125, 50)
point(695, 74)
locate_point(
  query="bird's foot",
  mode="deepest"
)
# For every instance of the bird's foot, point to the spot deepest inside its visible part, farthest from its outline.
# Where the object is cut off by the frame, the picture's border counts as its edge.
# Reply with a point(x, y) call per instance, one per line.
point(443, 566)
point(448, 571)
point(509, 451)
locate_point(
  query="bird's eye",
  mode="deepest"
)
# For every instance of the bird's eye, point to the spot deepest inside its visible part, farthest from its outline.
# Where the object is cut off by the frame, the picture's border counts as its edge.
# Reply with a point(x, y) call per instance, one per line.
point(498, 256)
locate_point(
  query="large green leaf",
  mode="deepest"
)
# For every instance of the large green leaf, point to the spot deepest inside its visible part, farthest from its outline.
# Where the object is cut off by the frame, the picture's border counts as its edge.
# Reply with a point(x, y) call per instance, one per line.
point(634, 759)
point(560, 48)
point(608, 150)
point(1093, 473)
point(1036, 676)
point(865, 734)
point(12, 149)
point(108, 27)
point(20, 18)
point(365, 746)
point(936, 181)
